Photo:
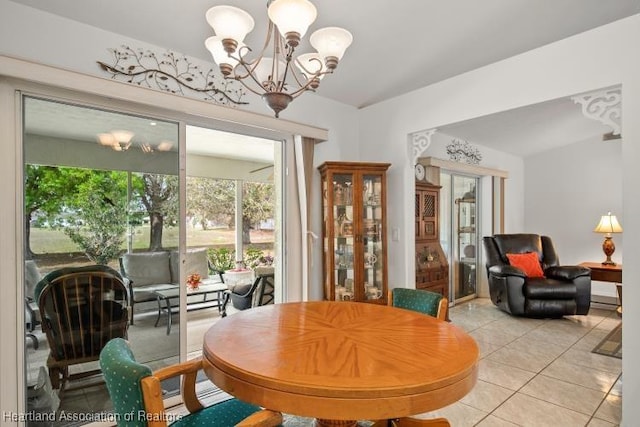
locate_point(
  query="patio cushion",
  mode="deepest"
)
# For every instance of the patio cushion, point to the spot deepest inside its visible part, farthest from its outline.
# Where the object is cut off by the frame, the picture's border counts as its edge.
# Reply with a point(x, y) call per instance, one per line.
point(150, 268)
point(196, 261)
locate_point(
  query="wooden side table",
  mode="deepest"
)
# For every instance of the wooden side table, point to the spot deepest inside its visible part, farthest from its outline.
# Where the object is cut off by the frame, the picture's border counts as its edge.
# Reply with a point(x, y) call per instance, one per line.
point(607, 273)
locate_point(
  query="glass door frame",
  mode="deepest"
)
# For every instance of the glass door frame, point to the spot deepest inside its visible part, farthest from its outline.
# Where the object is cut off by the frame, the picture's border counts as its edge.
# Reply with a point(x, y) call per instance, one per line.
point(22, 89)
point(451, 221)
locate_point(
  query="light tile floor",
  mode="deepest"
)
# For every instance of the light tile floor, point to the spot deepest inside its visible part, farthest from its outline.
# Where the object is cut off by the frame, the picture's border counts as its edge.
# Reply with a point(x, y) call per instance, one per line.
point(532, 372)
point(538, 372)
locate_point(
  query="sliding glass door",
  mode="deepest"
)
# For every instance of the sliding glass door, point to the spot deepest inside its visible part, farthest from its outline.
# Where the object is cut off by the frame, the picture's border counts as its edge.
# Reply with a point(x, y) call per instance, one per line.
point(98, 186)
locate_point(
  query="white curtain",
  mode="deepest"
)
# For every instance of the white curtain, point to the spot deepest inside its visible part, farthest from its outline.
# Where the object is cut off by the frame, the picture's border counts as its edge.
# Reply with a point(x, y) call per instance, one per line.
point(304, 148)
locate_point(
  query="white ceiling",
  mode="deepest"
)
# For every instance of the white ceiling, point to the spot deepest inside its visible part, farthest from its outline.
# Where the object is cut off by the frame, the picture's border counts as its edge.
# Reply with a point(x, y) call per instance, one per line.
point(530, 130)
point(66, 121)
point(398, 46)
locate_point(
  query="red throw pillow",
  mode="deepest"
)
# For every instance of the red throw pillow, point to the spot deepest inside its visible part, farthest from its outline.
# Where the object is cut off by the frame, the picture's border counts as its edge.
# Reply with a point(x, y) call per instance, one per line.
point(528, 263)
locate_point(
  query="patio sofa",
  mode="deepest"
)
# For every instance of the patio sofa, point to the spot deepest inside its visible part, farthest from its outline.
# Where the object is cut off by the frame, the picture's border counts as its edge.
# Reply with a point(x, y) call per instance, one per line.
point(148, 272)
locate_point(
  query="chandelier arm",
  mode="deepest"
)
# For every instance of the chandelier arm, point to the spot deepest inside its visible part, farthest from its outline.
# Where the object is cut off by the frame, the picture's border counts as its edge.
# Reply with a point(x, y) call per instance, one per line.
point(302, 89)
point(249, 88)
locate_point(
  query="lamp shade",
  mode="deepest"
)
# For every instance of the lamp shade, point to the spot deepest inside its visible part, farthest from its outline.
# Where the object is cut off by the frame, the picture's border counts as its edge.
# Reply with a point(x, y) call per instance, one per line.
point(608, 224)
point(107, 139)
point(265, 71)
point(230, 22)
point(331, 41)
point(220, 56)
point(122, 136)
point(292, 16)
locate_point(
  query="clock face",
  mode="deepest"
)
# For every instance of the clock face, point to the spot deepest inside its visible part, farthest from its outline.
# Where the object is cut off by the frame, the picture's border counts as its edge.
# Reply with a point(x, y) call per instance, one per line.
point(420, 172)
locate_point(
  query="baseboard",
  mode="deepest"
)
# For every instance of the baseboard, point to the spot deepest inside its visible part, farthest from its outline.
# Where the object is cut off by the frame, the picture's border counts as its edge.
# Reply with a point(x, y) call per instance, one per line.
point(604, 302)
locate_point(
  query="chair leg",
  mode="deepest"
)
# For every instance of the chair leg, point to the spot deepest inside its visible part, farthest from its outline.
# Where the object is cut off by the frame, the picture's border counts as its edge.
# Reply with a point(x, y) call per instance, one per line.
point(225, 300)
point(54, 376)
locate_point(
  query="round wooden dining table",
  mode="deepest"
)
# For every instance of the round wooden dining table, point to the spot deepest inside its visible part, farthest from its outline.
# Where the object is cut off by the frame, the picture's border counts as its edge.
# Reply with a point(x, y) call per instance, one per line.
point(340, 361)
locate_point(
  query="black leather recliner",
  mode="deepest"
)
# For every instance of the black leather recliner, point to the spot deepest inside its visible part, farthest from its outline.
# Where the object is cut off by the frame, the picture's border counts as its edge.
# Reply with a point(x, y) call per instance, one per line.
point(565, 290)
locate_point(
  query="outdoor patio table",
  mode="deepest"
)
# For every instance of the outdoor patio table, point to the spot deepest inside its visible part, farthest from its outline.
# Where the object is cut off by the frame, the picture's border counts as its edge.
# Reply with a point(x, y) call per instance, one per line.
point(166, 296)
point(340, 361)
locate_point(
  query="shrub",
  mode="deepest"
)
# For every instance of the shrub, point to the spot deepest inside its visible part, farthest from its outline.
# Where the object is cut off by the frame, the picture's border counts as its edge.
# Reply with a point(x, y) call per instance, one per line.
point(222, 259)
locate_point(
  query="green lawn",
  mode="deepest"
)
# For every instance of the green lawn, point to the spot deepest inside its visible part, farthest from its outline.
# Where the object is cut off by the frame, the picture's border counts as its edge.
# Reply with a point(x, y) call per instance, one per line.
point(53, 247)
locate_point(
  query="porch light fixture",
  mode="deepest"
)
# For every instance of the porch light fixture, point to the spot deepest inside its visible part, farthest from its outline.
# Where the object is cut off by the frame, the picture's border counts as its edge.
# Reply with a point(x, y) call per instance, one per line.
point(608, 224)
point(273, 77)
point(119, 140)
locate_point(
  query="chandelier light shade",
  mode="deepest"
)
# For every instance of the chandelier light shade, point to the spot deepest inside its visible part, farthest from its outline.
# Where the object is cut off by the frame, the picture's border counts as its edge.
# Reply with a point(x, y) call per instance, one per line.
point(608, 224)
point(119, 140)
point(230, 23)
point(270, 73)
point(292, 17)
point(331, 42)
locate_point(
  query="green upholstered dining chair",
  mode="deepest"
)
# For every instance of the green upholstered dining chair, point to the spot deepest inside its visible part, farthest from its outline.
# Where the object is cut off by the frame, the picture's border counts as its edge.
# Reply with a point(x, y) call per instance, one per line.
point(136, 394)
point(427, 302)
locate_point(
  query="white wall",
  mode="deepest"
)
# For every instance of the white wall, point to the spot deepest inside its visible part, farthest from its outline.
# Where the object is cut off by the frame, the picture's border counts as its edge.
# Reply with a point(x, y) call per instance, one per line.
point(606, 56)
point(567, 190)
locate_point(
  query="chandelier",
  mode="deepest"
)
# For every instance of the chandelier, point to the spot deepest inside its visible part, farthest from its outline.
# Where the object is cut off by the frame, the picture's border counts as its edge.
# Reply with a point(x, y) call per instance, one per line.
point(271, 74)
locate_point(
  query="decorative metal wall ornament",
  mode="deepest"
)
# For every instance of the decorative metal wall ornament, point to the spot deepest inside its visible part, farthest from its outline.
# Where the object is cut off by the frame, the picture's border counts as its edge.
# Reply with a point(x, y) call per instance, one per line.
point(462, 151)
point(420, 141)
point(604, 106)
point(172, 72)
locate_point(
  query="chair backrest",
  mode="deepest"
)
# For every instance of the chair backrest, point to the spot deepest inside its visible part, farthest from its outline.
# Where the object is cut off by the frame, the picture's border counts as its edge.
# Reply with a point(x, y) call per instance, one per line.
point(123, 374)
point(81, 309)
point(498, 246)
point(265, 291)
point(260, 292)
point(420, 300)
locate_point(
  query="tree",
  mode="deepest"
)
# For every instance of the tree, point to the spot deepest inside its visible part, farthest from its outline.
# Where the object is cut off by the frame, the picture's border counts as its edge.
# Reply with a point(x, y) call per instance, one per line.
point(159, 196)
point(214, 199)
point(257, 205)
point(211, 200)
point(99, 206)
point(100, 228)
point(45, 188)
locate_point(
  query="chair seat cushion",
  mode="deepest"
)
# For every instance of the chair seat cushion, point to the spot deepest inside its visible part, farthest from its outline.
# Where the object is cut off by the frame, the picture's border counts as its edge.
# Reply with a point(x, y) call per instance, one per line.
point(548, 289)
point(224, 414)
point(146, 293)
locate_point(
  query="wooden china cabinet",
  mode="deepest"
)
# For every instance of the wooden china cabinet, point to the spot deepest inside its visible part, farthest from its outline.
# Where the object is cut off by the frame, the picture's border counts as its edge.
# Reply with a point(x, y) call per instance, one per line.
point(432, 268)
point(354, 231)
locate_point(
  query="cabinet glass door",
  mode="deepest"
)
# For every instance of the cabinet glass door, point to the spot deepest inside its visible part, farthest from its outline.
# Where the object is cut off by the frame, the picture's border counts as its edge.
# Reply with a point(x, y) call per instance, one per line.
point(465, 236)
point(459, 233)
point(344, 236)
point(371, 237)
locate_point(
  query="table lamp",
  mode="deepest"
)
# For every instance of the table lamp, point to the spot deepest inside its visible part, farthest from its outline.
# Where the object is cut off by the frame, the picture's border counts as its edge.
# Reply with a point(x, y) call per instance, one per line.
point(608, 224)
